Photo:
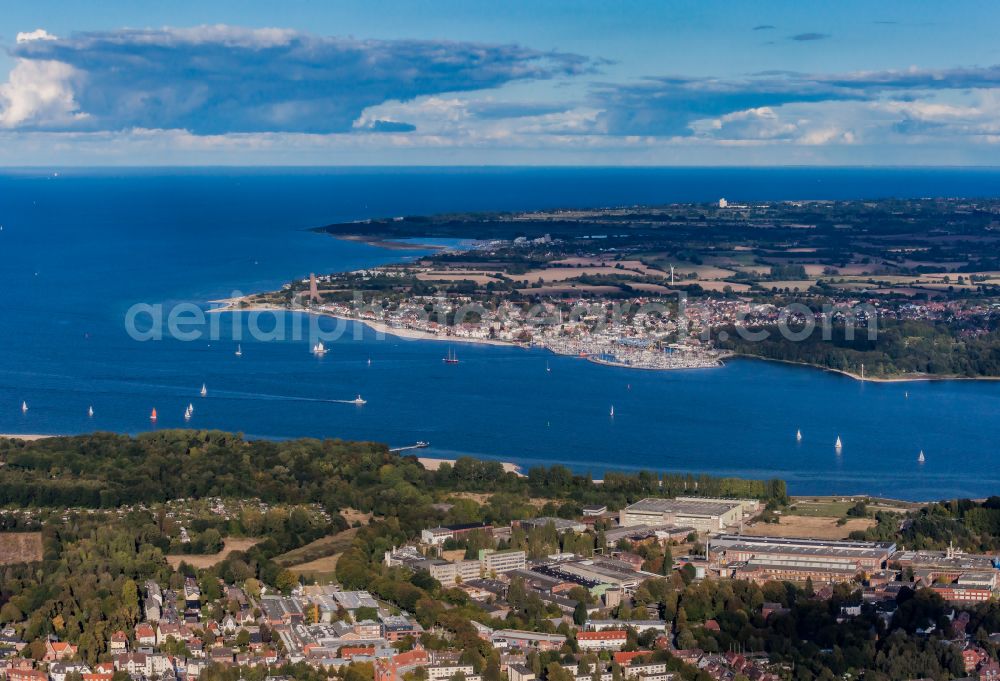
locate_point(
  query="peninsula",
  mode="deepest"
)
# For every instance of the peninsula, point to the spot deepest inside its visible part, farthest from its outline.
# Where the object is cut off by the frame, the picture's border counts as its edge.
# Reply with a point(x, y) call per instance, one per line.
point(887, 289)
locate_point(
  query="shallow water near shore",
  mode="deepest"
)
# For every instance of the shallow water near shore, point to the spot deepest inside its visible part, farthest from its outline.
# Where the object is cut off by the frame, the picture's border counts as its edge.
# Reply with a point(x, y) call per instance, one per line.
point(80, 248)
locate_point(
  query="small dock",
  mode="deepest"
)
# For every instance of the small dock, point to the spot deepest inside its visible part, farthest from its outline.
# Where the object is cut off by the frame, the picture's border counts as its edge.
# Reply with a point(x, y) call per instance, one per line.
point(419, 445)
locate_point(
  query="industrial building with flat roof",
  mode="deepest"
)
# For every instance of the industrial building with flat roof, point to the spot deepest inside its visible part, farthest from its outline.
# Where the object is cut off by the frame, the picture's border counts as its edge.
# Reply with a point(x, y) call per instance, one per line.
point(436, 536)
point(640, 533)
point(764, 559)
point(561, 525)
point(490, 562)
point(701, 514)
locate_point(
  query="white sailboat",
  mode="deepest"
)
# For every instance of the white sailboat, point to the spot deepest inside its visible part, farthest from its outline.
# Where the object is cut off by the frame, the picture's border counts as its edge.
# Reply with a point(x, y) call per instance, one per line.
point(239, 350)
point(920, 458)
point(612, 411)
point(187, 413)
point(369, 361)
point(798, 436)
point(319, 349)
point(24, 407)
point(838, 445)
point(204, 389)
point(548, 369)
point(358, 401)
point(90, 411)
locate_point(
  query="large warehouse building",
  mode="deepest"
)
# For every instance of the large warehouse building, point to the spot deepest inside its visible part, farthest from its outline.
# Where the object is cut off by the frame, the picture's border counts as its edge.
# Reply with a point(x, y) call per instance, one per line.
point(704, 515)
point(763, 559)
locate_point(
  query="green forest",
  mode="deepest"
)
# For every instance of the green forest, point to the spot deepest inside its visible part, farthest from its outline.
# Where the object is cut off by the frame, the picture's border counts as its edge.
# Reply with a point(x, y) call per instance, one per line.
point(900, 349)
point(972, 526)
point(105, 470)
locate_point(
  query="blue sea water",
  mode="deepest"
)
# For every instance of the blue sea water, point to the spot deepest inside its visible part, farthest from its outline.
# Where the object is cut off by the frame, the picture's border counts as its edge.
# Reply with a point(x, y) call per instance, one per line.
point(78, 248)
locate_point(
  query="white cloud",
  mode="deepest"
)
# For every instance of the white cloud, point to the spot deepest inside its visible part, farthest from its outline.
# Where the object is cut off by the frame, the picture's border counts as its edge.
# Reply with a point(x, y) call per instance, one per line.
point(39, 93)
point(762, 123)
point(37, 34)
point(480, 118)
point(220, 79)
point(827, 136)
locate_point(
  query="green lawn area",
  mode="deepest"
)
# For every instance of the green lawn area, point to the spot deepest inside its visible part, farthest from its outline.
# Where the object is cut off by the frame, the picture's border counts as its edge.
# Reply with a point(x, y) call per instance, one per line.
point(821, 509)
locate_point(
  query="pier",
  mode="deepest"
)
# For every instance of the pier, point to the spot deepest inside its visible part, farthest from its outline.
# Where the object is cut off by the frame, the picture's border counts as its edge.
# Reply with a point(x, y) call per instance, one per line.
point(419, 445)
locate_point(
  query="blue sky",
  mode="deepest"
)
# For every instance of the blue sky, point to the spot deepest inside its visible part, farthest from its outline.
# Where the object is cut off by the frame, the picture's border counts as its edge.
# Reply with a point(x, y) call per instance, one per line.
point(418, 82)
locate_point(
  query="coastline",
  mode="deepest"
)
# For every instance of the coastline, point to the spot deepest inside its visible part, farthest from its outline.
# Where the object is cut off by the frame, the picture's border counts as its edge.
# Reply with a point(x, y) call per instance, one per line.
point(903, 378)
point(381, 242)
point(432, 464)
point(406, 333)
point(230, 305)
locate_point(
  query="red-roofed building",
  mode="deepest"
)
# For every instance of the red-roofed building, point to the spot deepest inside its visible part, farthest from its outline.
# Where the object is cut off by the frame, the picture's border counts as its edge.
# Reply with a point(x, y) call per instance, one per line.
point(348, 652)
point(601, 640)
point(393, 668)
point(118, 643)
point(145, 634)
point(973, 657)
point(736, 661)
point(57, 651)
point(98, 677)
point(26, 675)
point(624, 658)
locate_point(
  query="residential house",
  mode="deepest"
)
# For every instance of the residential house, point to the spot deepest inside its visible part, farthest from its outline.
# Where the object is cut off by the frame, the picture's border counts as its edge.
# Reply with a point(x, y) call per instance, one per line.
point(57, 651)
point(118, 643)
point(601, 640)
point(59, 670)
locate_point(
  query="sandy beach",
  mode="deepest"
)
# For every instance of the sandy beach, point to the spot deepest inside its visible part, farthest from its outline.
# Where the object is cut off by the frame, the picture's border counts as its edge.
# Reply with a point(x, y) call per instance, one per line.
point(432, 464)
point(27, 437)
point(387, 244)
point(415, 334)
point(232, 305)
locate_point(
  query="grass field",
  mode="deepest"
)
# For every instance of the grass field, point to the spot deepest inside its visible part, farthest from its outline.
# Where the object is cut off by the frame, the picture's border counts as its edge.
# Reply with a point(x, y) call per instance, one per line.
point(820, 509)
point(808, 526)
point(323, 570)
point(836, 507)
point(318, 559)
point(20, 547)
point(352, 515)
point(207, 560)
